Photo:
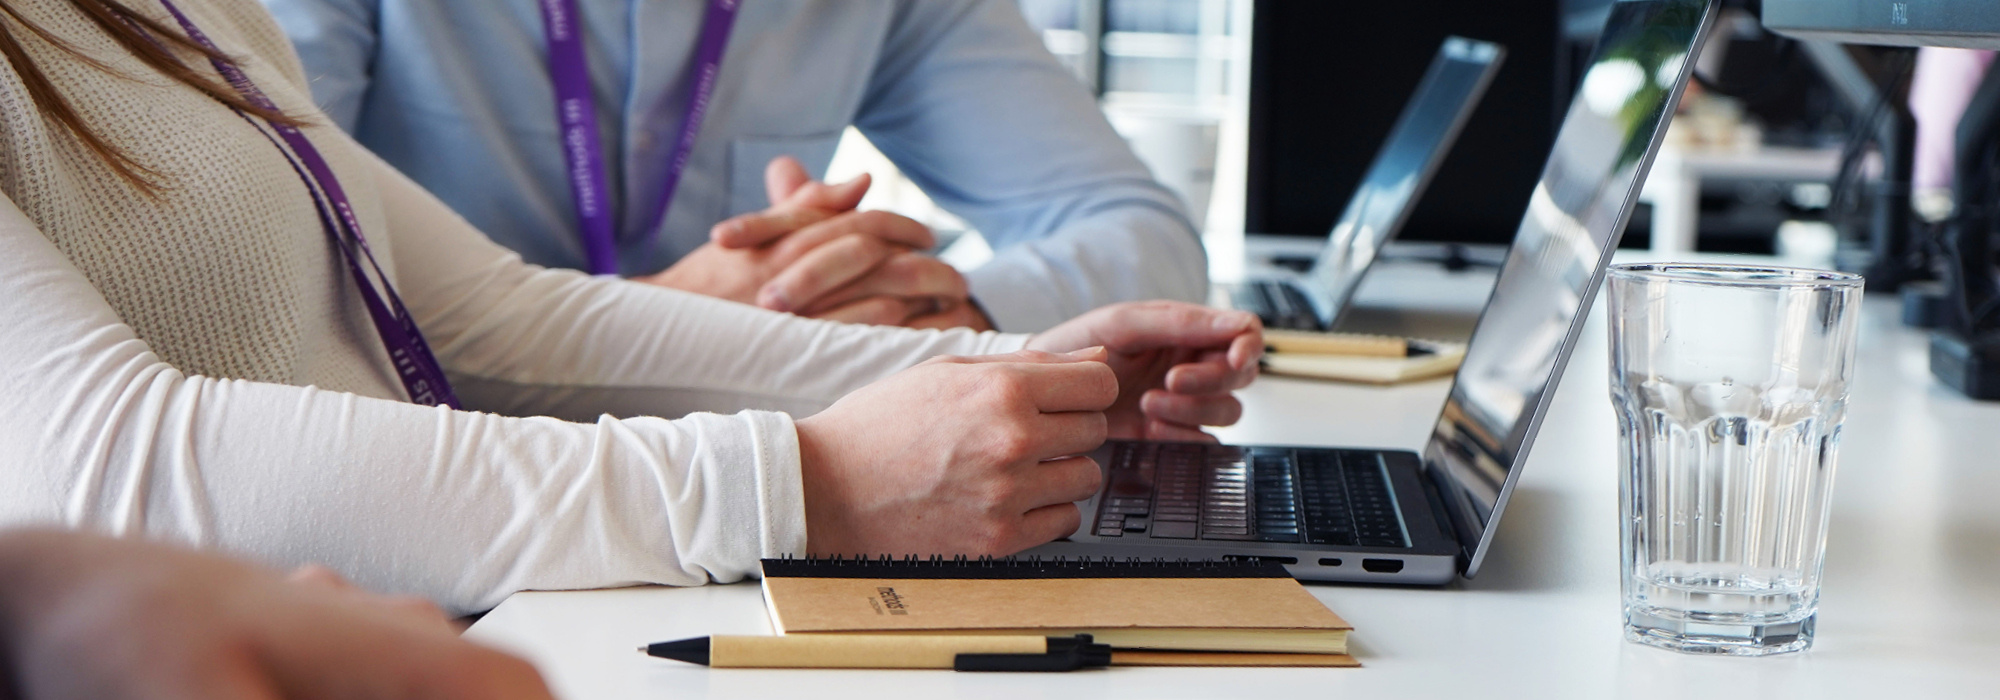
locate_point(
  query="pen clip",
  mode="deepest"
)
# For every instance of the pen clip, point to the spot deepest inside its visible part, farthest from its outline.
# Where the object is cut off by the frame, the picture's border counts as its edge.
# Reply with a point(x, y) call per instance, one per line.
point(1064, 654)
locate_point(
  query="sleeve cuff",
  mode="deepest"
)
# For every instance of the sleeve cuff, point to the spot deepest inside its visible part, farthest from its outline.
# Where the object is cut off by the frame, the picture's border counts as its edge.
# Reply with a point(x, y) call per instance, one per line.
point(781, 502)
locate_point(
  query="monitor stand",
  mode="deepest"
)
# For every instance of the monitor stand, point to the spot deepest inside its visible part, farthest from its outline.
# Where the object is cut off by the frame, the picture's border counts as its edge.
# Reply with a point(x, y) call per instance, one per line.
point(1965, 350)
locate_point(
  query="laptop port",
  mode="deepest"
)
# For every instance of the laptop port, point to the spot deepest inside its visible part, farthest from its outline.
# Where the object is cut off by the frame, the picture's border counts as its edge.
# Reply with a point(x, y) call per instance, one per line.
point(1329, 562)
point(1250, 557)
point(1382, 566)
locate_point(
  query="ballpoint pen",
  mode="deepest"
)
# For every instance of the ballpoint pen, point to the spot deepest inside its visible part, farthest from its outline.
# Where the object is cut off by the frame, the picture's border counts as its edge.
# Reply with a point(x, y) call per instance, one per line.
point(960, 652)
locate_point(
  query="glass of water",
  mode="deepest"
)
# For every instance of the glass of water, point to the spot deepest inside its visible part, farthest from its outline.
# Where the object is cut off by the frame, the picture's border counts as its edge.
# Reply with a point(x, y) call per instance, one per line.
point(1730, 383)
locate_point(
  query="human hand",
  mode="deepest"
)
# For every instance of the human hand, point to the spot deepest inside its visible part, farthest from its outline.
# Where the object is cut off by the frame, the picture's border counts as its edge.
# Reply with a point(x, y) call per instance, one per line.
point(1176, 364)
point(811, 253)
point(957, 455)
point(88, 617)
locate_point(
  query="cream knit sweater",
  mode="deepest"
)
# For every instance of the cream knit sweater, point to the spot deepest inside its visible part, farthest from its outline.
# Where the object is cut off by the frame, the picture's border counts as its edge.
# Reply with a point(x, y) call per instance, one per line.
point(198, 367)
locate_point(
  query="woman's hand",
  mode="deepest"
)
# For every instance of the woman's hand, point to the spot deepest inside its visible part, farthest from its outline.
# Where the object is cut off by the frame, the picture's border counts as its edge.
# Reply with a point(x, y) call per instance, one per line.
point(1176, 364)
point(957, 455)
point(91, 618)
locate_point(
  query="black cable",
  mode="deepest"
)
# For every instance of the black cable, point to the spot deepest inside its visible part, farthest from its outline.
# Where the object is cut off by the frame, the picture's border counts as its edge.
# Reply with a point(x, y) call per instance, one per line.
point(1841, 206)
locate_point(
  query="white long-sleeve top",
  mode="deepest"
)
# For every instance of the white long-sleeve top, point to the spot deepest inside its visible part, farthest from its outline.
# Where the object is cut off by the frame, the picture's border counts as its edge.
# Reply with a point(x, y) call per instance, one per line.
point(199, 367)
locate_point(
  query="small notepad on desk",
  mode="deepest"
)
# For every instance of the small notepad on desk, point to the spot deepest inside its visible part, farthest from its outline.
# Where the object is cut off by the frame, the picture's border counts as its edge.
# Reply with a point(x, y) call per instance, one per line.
point(1353, 357)
point(1150, 612)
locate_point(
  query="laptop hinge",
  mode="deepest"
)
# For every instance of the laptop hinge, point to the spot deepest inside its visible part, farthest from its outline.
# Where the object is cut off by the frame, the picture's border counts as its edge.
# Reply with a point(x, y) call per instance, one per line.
point(1447, 515)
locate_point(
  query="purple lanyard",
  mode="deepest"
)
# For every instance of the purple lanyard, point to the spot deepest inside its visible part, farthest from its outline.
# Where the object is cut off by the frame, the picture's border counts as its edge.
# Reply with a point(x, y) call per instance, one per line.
point(422, 377)
point(583, 148)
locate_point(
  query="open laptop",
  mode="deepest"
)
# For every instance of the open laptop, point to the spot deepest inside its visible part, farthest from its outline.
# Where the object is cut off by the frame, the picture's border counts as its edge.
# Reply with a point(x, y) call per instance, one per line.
point(1423, 134)
point(1399, 516)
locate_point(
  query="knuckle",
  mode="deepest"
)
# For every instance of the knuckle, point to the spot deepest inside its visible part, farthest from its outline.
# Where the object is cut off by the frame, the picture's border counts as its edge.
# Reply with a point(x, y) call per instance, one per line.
point(1004, 385)
point(994, 539)
point(1012, 442)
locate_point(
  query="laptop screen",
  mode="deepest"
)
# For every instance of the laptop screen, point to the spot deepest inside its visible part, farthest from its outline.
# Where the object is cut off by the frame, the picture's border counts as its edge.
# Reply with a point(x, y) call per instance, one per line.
point(1537, 307)
point(1422, 135)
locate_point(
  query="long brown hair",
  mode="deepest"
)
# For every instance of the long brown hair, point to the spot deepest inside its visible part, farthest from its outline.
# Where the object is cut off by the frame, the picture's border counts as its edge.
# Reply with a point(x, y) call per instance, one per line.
point(149, 40)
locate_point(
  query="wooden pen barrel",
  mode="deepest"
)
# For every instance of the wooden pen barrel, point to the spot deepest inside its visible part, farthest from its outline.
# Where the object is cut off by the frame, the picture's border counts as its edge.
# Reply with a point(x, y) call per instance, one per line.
point(861, 650)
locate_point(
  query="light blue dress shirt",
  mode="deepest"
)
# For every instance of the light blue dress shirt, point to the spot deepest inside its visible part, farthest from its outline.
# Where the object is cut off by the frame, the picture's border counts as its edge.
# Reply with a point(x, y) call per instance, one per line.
point(960, 94)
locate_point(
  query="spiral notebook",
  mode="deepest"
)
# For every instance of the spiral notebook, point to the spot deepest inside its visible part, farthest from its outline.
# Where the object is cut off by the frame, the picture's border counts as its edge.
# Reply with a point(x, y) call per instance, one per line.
point(1152, 612)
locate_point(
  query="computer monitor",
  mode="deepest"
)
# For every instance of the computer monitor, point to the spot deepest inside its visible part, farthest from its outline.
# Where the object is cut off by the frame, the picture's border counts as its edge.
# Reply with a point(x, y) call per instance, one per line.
point(1329, 79)
point(1971, 24)
point(1402, 169)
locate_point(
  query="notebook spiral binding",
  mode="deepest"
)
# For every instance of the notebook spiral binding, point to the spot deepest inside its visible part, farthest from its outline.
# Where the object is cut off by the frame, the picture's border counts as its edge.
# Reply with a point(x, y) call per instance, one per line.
point(990, 560)
point(939, 566)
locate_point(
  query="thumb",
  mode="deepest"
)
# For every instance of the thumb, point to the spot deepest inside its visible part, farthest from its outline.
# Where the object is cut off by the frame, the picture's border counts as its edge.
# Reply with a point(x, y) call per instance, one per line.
point(783, 177)
point(1151, 326)
point(1094, 353)
point(1038, 357)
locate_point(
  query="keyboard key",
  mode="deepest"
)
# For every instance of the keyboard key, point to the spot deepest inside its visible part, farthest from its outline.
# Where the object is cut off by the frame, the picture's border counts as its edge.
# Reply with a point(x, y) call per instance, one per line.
point(1174, 530)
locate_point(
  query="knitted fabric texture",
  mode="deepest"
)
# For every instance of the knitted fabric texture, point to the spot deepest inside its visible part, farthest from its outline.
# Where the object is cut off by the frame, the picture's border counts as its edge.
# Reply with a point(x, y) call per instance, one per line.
point(228, 272)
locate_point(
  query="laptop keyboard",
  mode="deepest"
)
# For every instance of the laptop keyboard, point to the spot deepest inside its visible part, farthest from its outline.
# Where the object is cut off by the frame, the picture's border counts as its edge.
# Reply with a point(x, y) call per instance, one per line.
point(1215, 492)
point(1279, 304)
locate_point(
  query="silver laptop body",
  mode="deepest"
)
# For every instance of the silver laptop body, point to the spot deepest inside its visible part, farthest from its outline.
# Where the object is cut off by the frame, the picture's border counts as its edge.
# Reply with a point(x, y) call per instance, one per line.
point(1398, 516)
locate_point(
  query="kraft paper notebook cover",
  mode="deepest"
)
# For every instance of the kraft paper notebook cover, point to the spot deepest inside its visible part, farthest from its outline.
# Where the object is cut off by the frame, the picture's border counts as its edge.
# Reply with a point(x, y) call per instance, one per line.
point(1157, 611)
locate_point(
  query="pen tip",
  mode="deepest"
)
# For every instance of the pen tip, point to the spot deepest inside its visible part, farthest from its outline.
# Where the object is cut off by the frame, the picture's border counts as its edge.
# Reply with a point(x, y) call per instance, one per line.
point(694, 651)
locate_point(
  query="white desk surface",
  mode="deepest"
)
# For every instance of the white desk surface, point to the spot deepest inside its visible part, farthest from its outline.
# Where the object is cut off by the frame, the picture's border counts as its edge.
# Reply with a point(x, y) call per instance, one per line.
point(1911, 603)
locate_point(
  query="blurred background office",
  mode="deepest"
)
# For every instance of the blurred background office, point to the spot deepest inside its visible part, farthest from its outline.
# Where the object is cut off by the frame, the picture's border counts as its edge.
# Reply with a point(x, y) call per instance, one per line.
point(1263, 115)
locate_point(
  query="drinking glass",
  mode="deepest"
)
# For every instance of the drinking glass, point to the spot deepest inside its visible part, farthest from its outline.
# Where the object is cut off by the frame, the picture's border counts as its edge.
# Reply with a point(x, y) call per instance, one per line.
point(1730, 383)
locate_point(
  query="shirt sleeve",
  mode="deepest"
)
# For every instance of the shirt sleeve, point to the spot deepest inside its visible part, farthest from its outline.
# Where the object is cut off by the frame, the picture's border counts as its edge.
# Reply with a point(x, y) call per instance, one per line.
point(526, 340)
point(335, 40)
point(967, 102)
point(460, 507)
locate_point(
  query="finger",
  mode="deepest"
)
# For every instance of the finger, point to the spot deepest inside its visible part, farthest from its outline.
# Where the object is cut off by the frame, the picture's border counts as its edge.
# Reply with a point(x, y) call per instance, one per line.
point(1211, 377)
point(1071, 433)
point(1245, 351)
point(415, 607)
point(321, 576)
point(875, 311)
point(840, 197)
point(810, 204)
point(1190, 411)
point(1046, 524)
point(890, 227)
point(765, 227)
point(1154, 325)
point(1060, 481)
point(825, 269)
point(1157, 430)
point(1090, 354)
point(906, 274)
point(783, 176)
point(1071, 385)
